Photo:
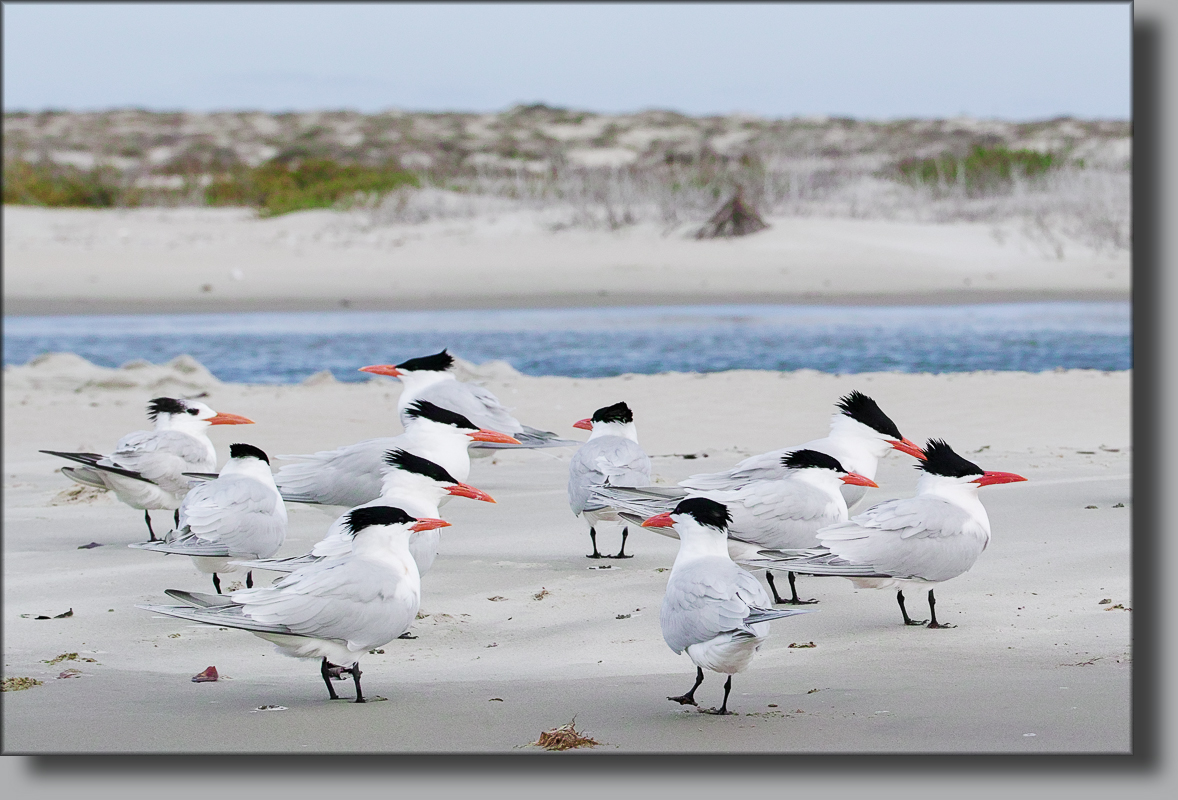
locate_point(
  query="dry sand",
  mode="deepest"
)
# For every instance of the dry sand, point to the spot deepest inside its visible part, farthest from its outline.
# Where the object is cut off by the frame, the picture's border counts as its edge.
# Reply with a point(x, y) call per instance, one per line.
point(1037, 665)
point(166, 260)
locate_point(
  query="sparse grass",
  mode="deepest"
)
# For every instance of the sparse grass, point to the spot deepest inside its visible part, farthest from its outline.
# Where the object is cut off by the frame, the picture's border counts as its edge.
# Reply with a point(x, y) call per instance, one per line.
point(279, 187)
point(62, 186)
point(984, 169)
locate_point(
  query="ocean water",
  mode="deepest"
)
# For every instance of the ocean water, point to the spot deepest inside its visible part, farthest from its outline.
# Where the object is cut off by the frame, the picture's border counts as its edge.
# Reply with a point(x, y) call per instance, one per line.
point(274, 347)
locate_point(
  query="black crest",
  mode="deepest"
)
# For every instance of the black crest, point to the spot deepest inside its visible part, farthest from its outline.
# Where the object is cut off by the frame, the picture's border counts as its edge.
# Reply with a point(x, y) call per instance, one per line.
point(360, 518)
point(427, 410)
point(943, 461)
point(165, 405)
point(404, 460)
point(247, 451)
point(438, 362)
point(618, 412)
point(862, 408)
point(706, 512)
point(811, 459)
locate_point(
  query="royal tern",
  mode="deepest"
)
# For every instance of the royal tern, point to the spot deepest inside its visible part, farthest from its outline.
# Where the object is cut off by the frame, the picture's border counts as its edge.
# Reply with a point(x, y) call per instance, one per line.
point(611, 456)
point(784, 512)
point(414, 484)
point(713, 609)
point(351, 476)
point(146, 470)
point(860, 435)
point(240, 514)
point(429, 378)
point(911, 543)
point(336, 609)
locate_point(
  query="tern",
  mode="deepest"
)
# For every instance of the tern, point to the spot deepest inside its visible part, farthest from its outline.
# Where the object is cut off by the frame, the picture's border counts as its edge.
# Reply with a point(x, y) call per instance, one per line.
point(240, 514)
point(429, 378)
point(351, 476)
point(712, 608)
point(146, 470)
point(913, 543)
point(610, 456)
point(411, 483)
point(780, 513)
point(336, 609)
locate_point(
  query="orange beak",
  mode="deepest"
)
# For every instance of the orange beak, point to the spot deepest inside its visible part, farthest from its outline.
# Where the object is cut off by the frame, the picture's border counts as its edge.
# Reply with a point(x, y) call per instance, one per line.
point(855, 479)
point(991, 478)
point(428, 524)
point(659, 521)
point(484, 435)
point(584, 424)
point(382, 369)
point(462, 490)
point(911, 448)
point(229, 419)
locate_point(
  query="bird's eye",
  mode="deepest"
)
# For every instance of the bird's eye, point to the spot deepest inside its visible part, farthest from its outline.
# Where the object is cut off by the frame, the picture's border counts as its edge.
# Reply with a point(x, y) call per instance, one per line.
point(193, 411)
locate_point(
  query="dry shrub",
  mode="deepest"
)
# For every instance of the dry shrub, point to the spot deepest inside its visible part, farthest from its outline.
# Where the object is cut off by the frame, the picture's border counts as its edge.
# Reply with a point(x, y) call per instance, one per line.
point(566, 737)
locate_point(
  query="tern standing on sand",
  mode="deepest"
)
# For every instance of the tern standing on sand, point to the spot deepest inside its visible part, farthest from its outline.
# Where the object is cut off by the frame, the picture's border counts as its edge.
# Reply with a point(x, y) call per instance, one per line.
point(714, 610)
point(337, 609)
point(240, 514)
point(610, 456)
point(913, 543)
point(147, 468)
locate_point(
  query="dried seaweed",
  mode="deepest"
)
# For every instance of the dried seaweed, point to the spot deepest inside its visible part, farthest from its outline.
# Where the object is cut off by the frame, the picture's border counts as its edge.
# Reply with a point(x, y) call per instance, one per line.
point(566, 737)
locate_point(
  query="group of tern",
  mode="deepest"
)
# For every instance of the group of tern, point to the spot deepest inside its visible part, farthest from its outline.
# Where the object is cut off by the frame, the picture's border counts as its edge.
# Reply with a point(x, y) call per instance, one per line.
point(359, 588)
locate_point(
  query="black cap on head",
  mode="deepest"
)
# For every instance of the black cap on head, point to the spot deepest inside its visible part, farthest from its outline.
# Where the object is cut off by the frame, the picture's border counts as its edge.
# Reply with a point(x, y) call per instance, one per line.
point(406, 461)
point(438, 362)
point(427, 410)
point(247, 451)
point(706, 512)
point(618, 412)
point(360, 518)
point(165, 405)
point(941, 460)
point(862, 408)
point(811, 459)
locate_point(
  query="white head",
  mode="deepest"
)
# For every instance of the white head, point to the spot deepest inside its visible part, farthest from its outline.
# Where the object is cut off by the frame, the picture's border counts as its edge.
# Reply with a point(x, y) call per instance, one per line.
point(702, 525)
point(188, 416)
point(245, 459)
point(615, 420)
point(385, 528)
point(406, 474)
point(948, 475)
point(417, 373)
point(823, 472)
point(860, 420)
point(424, 417)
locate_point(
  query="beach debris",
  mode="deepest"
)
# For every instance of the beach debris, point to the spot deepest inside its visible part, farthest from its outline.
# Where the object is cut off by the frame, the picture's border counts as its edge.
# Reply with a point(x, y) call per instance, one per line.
point(90, 546)
point(405, 635)
point(1105, 601)
point(268, 708)
point(1119, 505)
point(495, 700)
point(622, 616)
point(77, 494)
point(566, 737)
point(802, 644)
point(208, 676)
point(540, 595)
point(62, 615)
point(737, 217)
point(17, 684)
point(70, 673)
point(497, 598)
point(813, 690)
point(1118, 605)
point(1089, 507)
point(493, 644)
point(68, 657)
point(773, 705)
point(379, 651)
point(602, 566)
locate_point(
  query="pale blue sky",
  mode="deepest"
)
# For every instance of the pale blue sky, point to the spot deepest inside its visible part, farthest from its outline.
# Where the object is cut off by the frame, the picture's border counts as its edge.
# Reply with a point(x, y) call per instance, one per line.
point(877, 61)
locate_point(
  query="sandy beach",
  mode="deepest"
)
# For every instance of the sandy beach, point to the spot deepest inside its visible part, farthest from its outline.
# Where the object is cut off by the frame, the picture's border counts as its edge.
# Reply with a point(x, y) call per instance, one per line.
point(1038, 664)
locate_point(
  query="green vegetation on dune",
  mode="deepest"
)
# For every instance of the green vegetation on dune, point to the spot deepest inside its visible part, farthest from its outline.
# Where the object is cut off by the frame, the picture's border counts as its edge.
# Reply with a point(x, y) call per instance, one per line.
point(279, 187)
point(983, 169)
point(57, 185)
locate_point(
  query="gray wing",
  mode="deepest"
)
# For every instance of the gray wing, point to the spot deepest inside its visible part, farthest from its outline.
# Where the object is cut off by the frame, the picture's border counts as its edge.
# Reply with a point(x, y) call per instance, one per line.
point(762, 467)
point(162, 457)
point(242, 514)
point(710, 597)
point(348, 476)
point(612, 460)
point(640, 503)
point(473, 402)
point(230, 616)
point(779, 513)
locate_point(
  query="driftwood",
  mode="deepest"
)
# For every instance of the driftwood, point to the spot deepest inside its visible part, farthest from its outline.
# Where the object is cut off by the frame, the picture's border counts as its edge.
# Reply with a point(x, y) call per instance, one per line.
point(737, 217)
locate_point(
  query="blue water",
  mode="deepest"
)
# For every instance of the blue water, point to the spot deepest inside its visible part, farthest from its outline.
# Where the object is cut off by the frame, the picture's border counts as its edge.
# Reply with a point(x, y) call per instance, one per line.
point(289, 347)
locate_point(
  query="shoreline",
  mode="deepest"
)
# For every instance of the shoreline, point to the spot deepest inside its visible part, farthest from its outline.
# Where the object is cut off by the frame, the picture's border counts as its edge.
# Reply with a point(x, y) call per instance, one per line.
point(51, 307)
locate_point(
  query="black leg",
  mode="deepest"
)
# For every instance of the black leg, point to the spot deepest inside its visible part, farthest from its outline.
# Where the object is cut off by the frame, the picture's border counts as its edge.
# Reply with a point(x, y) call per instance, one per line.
point(325, 671)
point(907, 620)
point(932, 609)
point(355, 670)
point(249, 579)
point(593, 538)
point(147, 519)
point(776, 597)
point(216, 583)
point(176, 518)
point(622, 552)
point(793, 600)
point(727, 689)
point(689, 698)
